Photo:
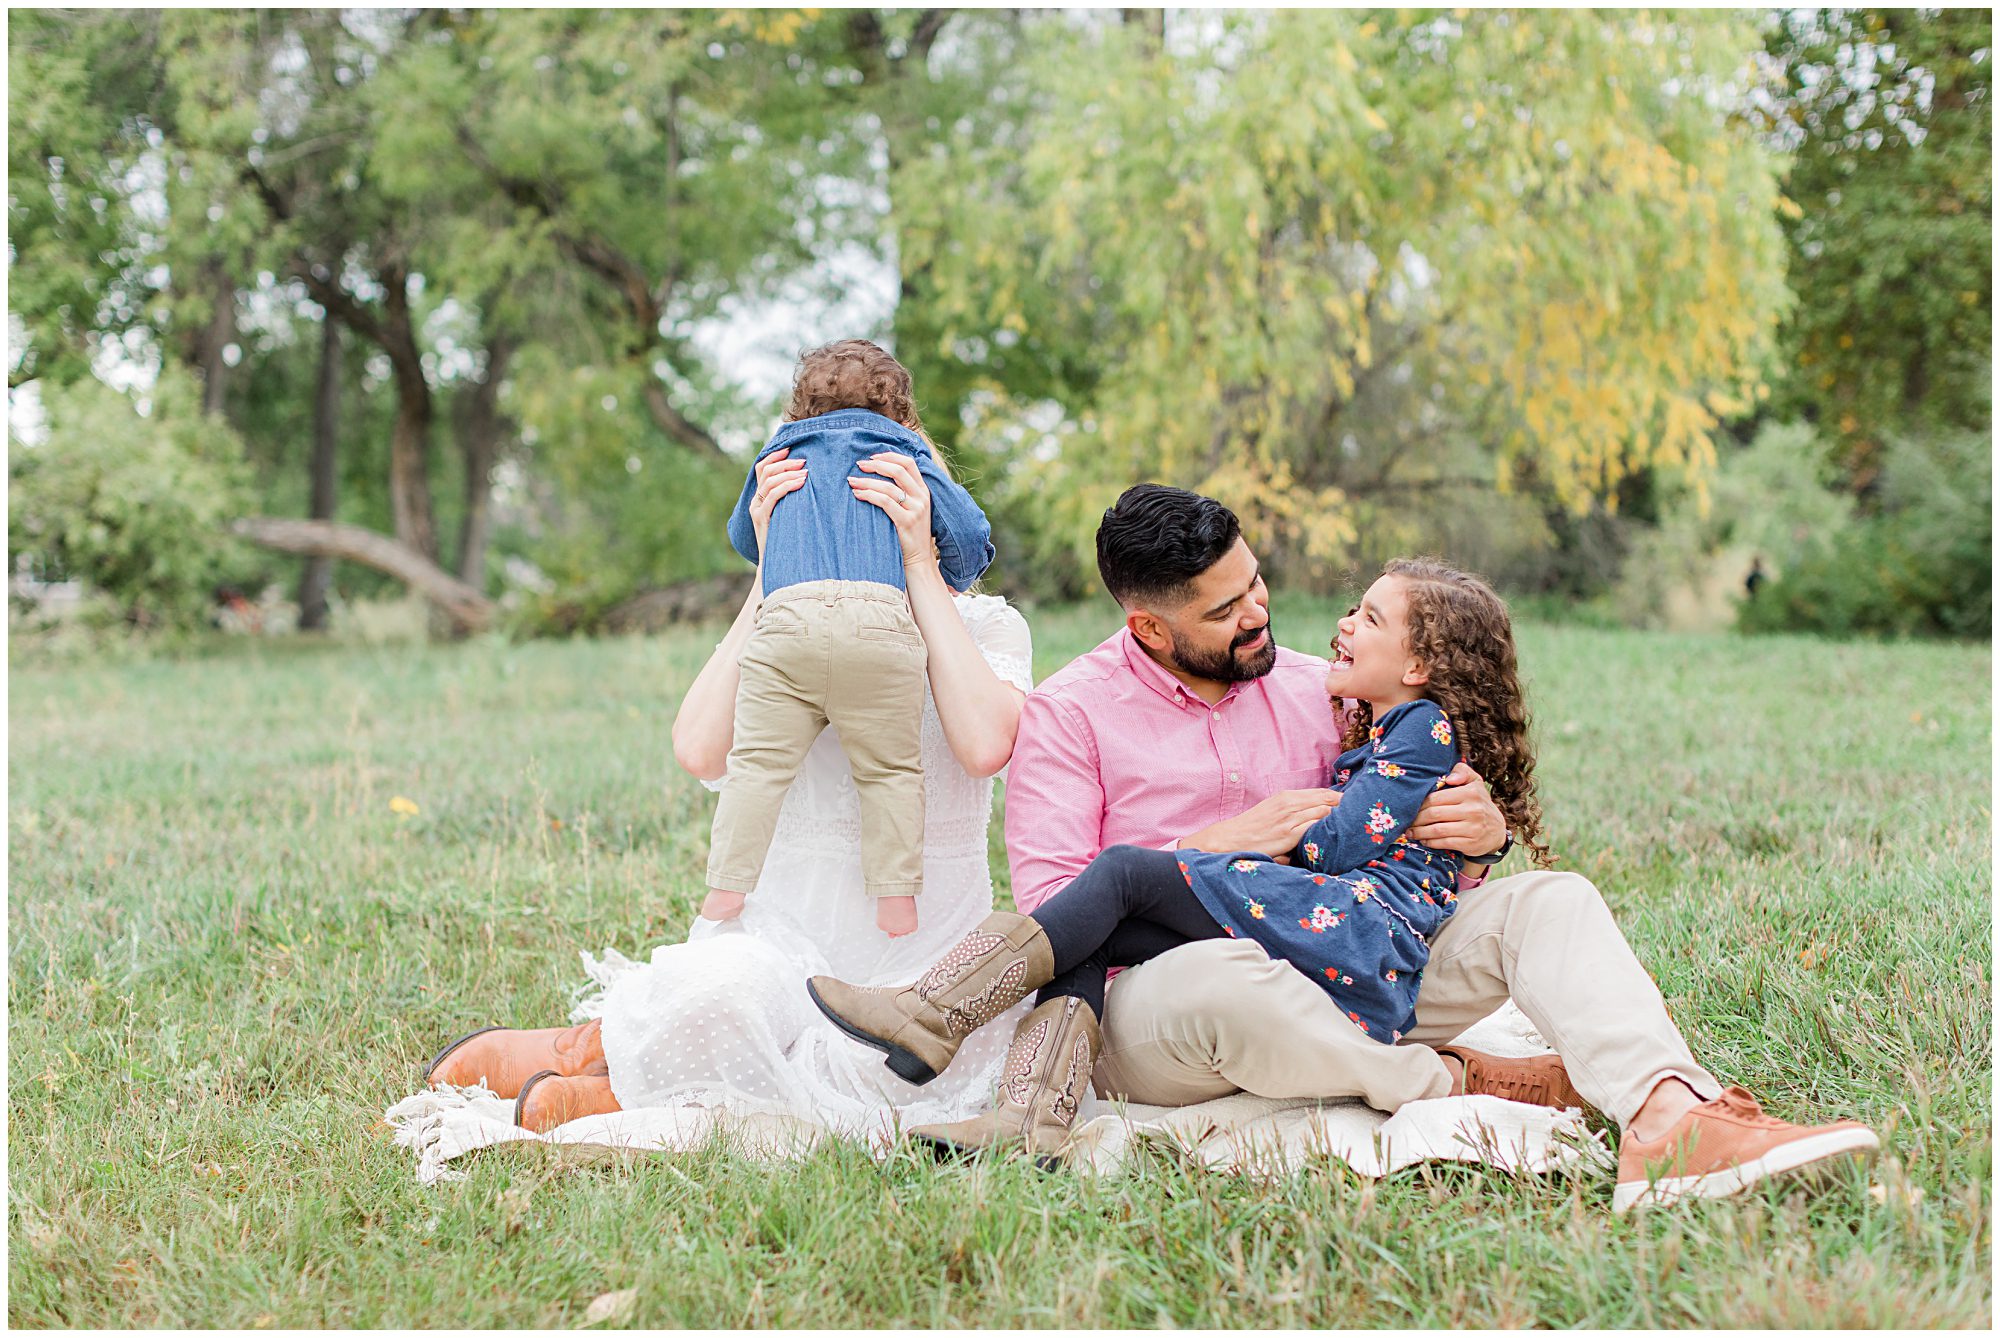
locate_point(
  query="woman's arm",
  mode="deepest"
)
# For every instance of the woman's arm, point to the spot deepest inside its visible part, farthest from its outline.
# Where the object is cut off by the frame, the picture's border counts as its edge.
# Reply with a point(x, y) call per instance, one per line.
point(979, 711)
point(705, 726)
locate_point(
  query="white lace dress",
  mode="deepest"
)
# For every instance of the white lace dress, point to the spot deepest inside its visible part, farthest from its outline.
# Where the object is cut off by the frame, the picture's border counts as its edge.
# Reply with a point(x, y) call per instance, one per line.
point(721, 1025)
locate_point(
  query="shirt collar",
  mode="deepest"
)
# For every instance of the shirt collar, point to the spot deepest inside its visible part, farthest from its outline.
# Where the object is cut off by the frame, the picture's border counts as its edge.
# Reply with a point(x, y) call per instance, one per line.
point(1149, 672)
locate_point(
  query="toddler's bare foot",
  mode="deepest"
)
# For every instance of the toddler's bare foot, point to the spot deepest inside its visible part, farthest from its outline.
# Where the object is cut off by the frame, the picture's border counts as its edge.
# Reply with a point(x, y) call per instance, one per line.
point(896, 916)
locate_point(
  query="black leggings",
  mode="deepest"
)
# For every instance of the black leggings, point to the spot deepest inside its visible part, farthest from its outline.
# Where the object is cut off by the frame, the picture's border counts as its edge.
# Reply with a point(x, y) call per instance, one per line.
point(1129, 906)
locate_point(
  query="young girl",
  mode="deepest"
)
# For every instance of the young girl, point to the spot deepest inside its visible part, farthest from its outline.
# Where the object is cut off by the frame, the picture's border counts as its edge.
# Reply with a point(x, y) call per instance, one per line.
point(1427, 662)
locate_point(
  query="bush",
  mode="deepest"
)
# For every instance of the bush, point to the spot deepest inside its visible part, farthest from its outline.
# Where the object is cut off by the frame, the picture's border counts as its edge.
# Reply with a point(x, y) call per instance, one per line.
point(1920, 565)
point(133, 503)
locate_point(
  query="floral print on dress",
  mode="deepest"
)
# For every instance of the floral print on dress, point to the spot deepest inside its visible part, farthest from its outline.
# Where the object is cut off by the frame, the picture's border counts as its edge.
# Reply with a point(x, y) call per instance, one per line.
point(1441, 731)
point(1356, 907)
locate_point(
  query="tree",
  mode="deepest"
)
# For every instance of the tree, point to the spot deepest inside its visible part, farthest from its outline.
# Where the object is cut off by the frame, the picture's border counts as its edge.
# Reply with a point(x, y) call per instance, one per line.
point(1211, 249)
point(1888, 117)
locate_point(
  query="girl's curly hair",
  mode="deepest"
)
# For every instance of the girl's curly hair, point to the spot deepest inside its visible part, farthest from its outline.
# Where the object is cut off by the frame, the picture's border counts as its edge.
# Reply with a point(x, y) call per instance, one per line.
point(852, 374)
point(1459, 629)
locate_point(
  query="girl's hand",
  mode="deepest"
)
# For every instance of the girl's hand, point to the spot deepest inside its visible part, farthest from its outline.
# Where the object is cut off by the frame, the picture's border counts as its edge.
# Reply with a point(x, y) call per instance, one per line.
point(777, 474)
point(901, 493)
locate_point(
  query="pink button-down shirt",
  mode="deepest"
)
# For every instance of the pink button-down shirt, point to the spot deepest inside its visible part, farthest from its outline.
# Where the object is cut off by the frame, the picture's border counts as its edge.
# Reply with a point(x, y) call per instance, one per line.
point(1114, 750)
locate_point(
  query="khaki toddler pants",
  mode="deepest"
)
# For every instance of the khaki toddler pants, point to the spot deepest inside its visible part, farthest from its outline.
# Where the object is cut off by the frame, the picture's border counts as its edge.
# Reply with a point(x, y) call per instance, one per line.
point(841, 652)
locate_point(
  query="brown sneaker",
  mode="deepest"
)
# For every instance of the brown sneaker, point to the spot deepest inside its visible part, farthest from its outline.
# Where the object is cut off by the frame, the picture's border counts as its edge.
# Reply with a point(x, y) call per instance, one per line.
point(1539, 1080)
point(1723, 1147)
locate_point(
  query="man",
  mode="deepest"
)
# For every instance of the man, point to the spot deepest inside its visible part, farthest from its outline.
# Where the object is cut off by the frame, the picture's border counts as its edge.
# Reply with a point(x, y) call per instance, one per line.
point(1191, 728)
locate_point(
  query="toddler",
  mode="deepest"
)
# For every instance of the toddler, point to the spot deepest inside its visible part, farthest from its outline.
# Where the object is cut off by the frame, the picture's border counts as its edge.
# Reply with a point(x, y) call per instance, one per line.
point(835, 642)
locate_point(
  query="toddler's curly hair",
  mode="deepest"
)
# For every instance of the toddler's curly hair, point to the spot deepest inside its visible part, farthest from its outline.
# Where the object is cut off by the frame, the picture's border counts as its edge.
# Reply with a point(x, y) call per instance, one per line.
point(852, 374)
point(1460, 630)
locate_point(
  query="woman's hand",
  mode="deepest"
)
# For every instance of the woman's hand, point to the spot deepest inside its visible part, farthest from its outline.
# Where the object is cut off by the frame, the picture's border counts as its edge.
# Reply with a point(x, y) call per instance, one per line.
point(904, 496)
point(777, 474)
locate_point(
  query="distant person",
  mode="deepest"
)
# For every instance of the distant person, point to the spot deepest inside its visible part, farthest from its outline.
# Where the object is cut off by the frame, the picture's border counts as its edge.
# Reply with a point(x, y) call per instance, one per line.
point(1754, 579)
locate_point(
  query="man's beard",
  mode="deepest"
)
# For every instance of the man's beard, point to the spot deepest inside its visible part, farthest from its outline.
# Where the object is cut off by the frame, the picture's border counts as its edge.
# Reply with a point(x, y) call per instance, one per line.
point(1226, 666)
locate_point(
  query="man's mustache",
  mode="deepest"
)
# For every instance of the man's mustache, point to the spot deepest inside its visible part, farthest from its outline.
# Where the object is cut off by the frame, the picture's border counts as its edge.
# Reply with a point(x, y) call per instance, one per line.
point(1245, 638)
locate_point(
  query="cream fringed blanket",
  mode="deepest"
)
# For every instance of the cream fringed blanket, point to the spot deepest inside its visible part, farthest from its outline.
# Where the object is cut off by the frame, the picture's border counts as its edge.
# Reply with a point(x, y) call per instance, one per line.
point(1252, 1134)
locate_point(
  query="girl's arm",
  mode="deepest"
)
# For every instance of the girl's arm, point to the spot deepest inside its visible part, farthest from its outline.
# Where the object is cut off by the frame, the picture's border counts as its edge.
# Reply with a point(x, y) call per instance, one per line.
point(979, 711)
point(705, 725)
point(1411, 754)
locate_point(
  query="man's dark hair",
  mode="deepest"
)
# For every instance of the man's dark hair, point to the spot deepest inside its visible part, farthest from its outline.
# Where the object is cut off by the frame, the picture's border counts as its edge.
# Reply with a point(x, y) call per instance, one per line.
point(1156, 540)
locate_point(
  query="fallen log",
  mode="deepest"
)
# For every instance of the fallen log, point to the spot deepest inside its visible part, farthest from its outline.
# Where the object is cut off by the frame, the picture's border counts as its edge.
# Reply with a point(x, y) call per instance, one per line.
point(468, 609)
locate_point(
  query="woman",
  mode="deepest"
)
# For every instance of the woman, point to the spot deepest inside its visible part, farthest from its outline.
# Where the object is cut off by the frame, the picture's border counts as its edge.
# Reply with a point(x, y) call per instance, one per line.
point(722, 1022)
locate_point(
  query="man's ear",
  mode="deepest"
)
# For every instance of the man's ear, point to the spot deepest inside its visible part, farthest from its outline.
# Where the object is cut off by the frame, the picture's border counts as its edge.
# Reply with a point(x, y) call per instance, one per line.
point(1149, 628)
point(1416, 673)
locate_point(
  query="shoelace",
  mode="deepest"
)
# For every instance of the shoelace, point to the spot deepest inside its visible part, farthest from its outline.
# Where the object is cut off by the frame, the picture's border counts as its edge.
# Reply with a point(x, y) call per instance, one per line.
point(1741, 1104)
point(1513, 1087)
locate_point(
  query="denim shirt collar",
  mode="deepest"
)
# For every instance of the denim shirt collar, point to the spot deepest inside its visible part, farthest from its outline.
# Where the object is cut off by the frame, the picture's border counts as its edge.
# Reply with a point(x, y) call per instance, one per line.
point(844, 418)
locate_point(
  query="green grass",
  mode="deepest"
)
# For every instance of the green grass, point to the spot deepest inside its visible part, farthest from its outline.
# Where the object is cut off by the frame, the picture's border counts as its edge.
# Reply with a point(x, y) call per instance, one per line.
point(227, 954)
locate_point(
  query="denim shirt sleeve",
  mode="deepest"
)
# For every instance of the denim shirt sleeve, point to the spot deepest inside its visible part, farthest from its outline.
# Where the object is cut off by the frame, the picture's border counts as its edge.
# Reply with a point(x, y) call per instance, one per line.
point(964, 538)
point(742, 534)
point(1409, 753)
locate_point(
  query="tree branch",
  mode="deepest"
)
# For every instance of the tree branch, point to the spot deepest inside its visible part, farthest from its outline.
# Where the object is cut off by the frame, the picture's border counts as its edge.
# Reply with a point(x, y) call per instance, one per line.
point(468, 609)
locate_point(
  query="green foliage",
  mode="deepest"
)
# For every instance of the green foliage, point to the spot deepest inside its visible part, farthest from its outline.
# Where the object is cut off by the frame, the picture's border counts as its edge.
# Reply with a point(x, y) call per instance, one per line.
point(1776, 500)
point(135, 503)
point(1888, 118)
point(1918, 565)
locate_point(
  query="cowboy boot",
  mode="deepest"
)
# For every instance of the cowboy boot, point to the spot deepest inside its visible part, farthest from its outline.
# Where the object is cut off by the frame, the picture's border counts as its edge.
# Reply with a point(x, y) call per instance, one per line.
point(504, 1058)
point(1048, 1071)
point(549, 1099)
point(920, 1026)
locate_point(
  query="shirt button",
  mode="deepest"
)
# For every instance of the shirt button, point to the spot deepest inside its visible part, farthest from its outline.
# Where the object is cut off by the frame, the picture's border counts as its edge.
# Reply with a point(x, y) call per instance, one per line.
point(1233, 777)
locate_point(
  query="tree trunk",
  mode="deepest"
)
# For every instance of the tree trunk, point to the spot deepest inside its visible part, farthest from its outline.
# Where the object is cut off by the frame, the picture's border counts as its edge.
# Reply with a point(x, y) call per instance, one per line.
point(480, 428)
point(214, 338)
point(466, 609)
point(318, 575)
point(410, 439)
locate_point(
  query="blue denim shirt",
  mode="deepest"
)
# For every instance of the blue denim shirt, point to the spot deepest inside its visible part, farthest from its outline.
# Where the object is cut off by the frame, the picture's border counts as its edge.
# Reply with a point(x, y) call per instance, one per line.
point(824, 532)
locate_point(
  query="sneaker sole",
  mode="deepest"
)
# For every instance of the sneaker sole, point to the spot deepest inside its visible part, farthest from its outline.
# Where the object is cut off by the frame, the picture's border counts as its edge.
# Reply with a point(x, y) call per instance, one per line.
point(901, 1062)
point(1782, 1160)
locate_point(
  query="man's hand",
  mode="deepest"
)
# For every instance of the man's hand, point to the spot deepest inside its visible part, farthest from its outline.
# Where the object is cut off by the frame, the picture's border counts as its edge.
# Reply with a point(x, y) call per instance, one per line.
point(1271, 827)
point(1461, 817)
point(722, 905)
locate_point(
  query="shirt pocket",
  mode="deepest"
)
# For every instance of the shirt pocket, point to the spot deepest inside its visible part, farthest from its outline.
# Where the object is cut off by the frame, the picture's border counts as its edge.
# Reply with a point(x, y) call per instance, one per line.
point(1308, 778)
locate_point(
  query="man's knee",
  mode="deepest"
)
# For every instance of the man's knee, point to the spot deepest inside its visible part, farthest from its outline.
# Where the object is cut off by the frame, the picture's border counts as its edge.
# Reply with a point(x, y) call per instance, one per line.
point(1191, 992)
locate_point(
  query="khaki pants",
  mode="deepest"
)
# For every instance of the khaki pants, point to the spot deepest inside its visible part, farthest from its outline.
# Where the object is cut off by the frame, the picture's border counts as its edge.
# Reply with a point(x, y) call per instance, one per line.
point(1217, 1017)
point(841, 652)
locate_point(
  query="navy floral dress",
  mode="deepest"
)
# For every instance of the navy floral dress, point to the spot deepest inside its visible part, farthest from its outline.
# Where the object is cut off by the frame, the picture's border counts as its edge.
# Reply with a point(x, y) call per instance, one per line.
point(1357, 907)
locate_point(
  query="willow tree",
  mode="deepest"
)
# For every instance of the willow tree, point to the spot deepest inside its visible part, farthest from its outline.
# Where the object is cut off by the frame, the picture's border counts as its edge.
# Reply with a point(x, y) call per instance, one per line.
point(1552, 231)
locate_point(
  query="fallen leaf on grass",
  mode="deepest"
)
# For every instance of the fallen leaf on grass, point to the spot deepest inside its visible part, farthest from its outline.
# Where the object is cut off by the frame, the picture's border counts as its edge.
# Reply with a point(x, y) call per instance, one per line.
point(611, 1306)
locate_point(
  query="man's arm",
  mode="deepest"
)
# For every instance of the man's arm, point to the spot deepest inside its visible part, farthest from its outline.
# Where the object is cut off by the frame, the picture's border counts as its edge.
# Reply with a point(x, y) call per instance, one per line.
point(1462, 818)
point(1055, 801)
